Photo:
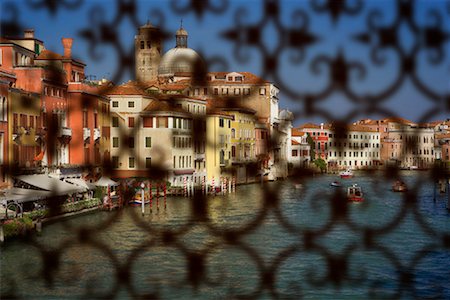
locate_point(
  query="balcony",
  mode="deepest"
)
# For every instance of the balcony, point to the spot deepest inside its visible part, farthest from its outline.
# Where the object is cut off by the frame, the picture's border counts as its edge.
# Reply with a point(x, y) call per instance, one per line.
point(97, 134)
point(64, 131)
point(199, 156)
point(224, 163)
point(86, 135)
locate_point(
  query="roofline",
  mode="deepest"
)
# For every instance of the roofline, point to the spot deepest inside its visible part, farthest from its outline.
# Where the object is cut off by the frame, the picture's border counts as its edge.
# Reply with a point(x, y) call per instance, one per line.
point(165, 113)
point(23, 38)
point(17, 45)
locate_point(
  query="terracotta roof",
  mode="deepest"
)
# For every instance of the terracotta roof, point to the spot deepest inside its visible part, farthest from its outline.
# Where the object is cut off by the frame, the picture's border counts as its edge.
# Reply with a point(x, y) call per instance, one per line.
point(130, 88)
point(308, 126)
point(443, 136)
point(396, 120)
point(294, 142)
point(360, 128)
point(160, 105)
point(48, 55)
point(173, 86)
point(367, 122)
point(297, 132)
point(434, 123)
point(214, 111)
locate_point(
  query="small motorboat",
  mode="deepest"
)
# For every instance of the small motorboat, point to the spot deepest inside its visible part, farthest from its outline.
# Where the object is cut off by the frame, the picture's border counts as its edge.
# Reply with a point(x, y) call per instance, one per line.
point(335, 184)
point(137, 202)
point(399, 186)
point(355, 194)
point(346, 174)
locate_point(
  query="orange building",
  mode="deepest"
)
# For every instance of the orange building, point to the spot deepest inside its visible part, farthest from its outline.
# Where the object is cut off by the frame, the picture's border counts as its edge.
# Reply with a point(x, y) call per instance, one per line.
point(7, 80)
point(69, 120)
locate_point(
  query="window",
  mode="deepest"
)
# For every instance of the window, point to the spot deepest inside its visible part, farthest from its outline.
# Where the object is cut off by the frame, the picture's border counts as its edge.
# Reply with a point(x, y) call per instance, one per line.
point(246, 91)
point(237, 91)
point(148, 122)
point(115, 142)
point(95, 120)
point(115, 104)
point(130, 122)
point(148, 141)
point(238, 78)
point(131, 162)
point(115, 122)
point(149, 45)
point(115, 162)
point(130, 103)
point(142, 45)
point(162, 122)
point(224, 91)
point(3, 110)
point(216, 91)
point(220, 122)
point(230, 78)
point(205, 91)
point(148, 162)
point(131, 142)
point(233, 133)
point(294, 152)
point(262, 91)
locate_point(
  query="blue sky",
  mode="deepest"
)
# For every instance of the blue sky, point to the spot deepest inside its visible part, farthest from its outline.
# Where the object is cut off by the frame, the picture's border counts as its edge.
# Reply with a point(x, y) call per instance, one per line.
point(205, 36)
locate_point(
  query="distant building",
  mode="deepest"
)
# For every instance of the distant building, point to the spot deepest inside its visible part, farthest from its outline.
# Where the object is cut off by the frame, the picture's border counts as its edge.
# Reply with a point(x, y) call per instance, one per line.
point(320, 135)
point(358, 148)
point(300, 150)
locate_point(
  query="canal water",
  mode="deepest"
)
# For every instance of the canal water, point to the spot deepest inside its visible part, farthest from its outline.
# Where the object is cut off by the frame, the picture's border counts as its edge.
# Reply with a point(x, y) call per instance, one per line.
point(249, 245)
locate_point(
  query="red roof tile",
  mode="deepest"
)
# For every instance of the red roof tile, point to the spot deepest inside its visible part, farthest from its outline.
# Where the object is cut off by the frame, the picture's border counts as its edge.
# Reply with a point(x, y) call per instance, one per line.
point(49, 55)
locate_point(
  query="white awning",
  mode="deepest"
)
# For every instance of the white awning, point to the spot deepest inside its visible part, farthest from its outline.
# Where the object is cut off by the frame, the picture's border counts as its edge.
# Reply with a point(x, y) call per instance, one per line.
point(55, 186)
point(79, 182)
point(24, 195)
point(105, 181)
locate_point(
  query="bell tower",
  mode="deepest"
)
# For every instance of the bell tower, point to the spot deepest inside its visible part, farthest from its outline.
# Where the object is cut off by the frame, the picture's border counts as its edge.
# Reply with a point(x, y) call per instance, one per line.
point(147, 52)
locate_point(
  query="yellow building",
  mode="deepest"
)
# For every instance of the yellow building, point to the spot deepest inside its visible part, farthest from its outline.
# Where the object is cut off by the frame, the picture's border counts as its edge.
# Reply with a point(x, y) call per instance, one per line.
point(243, 144)
point(24, 116)
point(218, 147)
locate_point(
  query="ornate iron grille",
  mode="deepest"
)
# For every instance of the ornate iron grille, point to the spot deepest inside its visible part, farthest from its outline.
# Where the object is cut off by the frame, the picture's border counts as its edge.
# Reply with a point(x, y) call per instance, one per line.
point(427, 44)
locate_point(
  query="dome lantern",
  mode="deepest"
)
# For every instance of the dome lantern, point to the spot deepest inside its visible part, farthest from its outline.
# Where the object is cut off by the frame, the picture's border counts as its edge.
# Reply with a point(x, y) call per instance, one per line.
point(181, 36)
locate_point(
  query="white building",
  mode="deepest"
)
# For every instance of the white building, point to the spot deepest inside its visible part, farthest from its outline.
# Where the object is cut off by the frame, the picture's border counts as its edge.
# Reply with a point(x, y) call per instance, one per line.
point(359, 148)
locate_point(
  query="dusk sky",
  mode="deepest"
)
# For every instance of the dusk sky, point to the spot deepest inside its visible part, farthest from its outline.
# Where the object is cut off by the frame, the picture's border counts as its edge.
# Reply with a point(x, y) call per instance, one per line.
point(334, 36)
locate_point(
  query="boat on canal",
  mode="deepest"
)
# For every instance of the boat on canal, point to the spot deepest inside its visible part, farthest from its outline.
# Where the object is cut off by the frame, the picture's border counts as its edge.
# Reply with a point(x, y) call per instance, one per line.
point(346, 174)
point(399, 186)
point(355, 194)
point(335, 184)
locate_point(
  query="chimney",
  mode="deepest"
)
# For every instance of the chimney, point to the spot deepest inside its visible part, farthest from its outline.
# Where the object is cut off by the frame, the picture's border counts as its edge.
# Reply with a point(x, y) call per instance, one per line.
point(67, 44)
point(28, 33)
point(321, 126)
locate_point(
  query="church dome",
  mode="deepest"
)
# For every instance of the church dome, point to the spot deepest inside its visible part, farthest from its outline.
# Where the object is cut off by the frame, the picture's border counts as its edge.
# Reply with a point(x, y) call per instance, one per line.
point(184, 60)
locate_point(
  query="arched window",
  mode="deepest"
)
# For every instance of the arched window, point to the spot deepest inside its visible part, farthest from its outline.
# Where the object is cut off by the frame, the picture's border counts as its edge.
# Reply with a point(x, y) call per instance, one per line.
point(233, 151)
point(233, 133)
